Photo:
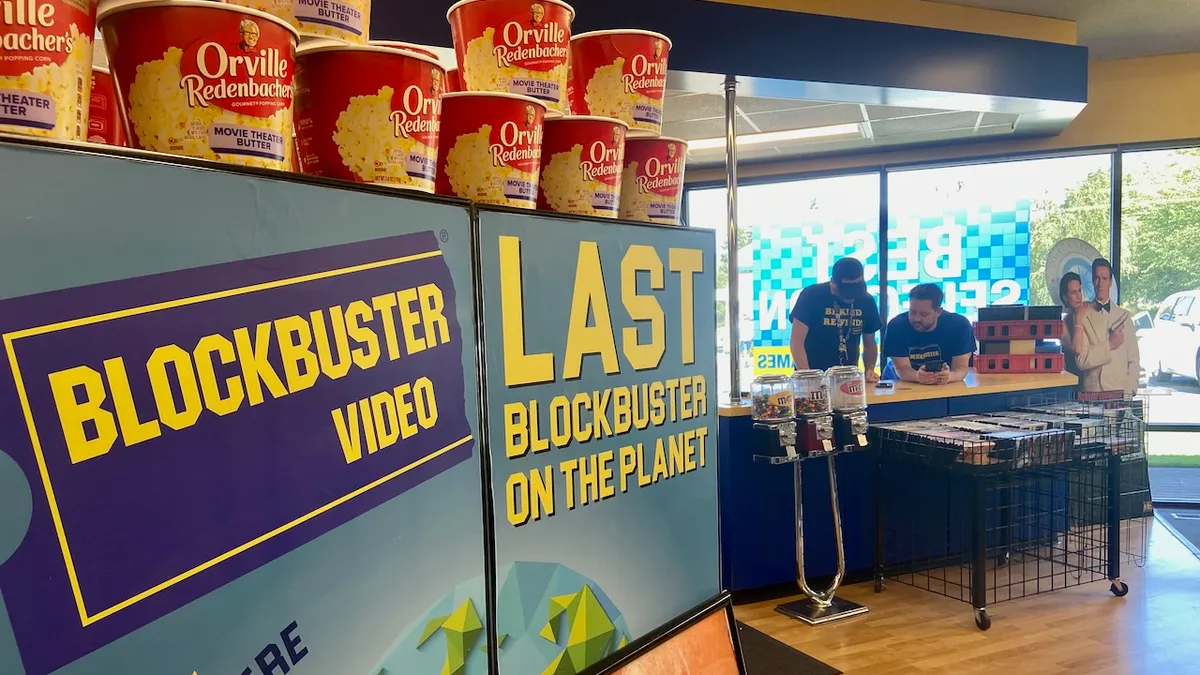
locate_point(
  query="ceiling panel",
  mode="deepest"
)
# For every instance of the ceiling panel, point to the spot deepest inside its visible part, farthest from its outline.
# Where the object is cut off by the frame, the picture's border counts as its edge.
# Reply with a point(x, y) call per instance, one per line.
point(716, 157)
point(997, 119)
point(887, 112)
point(822, 116)
point(702, 116)
point(760, 105)
point(994, 130)
point(710, 128)
point(753, 153)
point(823, 145)
point(693, 107)
point(926, 123)
point(929, 136)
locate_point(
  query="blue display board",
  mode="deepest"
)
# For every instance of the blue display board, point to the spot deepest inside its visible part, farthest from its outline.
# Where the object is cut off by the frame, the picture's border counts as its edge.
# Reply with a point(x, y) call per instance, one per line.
point(238, 426)
point(979, 257)
point(599, 386)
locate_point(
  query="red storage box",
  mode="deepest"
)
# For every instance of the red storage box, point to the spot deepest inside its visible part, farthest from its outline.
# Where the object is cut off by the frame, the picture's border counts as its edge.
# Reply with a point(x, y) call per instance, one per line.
point(1019, 363)
point(997, 331)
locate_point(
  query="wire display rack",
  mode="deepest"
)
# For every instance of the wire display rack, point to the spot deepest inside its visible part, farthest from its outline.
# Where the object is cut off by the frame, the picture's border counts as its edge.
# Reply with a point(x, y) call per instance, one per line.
point(993, 507)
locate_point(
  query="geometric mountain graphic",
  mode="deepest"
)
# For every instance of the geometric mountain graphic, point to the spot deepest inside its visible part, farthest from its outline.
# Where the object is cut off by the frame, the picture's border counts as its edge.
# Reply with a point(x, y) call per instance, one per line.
point(558, 622)
point(463, 629)
point(578, 623)
point(550, 619)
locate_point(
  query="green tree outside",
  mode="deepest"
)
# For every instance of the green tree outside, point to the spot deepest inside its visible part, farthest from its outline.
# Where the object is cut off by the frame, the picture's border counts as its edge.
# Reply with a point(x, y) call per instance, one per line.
point(1083, 214)
point(1160, 247)
point(1161, 231)
point(745, 236)
point(1160, 227)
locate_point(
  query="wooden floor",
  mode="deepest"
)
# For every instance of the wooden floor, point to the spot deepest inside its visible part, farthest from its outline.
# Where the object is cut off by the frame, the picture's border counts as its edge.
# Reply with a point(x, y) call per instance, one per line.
point(1155, 629)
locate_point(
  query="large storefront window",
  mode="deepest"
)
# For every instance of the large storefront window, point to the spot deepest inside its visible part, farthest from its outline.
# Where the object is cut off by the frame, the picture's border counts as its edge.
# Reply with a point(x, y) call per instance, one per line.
point(1160, 280)
point(791, 234)
point(706, 208)
point(986, 232)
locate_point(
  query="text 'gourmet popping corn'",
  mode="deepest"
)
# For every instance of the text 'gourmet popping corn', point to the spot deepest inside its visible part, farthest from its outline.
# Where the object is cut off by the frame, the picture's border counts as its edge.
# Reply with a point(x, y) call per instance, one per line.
point(49, 100)
point(164, 121)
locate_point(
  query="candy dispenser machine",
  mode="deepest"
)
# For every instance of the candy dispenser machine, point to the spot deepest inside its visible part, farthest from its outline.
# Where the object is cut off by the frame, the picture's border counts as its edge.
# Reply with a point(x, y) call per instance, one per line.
point(848, 398)
point(813, 437)
point(771, 406)
point(814, 417)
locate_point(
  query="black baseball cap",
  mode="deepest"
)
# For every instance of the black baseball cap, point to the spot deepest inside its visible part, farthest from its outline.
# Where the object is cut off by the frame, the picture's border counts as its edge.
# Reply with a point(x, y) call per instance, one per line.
point(847, 269)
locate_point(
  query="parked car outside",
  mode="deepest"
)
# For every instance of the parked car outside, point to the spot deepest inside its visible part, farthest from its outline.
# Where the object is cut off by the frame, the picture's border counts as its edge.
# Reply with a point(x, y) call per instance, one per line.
point(1169, 337)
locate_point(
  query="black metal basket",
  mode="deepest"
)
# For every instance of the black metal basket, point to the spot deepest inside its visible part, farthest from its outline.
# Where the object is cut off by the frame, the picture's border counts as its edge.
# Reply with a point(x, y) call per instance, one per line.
point(993, 507)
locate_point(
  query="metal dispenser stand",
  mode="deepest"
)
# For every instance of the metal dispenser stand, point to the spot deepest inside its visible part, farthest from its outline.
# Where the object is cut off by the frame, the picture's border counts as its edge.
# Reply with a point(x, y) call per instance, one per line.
point(820, 606)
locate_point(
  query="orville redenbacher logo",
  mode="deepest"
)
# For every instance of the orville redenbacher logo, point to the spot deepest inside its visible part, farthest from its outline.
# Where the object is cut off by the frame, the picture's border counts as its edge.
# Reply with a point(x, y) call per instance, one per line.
point(420, 113)
point(662, 175)
point(602, 161)
point(536, 39)
point(241, 70)
point(518, 144)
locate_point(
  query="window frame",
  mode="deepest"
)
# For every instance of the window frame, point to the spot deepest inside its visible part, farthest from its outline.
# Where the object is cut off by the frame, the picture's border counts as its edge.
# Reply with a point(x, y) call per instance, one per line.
point(1179, 311)
point(1116, 152)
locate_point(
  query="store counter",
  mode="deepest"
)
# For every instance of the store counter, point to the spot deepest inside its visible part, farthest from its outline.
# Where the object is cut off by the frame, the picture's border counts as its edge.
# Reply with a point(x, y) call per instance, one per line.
point(758, 539)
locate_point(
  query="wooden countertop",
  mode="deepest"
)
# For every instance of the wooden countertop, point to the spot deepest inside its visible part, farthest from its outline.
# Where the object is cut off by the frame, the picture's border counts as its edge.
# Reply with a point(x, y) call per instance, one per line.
point(974, 385)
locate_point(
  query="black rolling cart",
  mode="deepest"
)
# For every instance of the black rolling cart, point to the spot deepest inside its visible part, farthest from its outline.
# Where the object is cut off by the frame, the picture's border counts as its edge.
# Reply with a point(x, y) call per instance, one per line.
point(997, 507)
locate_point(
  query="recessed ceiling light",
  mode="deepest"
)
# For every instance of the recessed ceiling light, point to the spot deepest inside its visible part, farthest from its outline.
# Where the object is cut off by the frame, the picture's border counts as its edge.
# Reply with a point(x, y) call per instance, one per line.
point(810, 133)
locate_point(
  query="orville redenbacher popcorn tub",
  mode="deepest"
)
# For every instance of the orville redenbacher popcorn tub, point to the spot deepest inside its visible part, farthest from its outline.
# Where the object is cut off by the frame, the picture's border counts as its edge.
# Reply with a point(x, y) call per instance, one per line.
point(104, 114)
point(204, 79)
point(621, 74)
point(582, 162)
point(46, 67)
point(348, 21)
point(369, 114)
point(514, 46)
point(652, 186)
point(406, 47)
point(490, 150)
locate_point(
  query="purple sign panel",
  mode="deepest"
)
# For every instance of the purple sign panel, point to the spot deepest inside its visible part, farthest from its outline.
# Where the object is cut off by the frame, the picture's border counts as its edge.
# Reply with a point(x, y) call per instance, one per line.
point(180, 430)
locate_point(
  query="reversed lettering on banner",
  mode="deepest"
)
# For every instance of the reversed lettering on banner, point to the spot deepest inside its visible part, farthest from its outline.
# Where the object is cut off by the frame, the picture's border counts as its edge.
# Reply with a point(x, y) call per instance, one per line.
point(975, 265)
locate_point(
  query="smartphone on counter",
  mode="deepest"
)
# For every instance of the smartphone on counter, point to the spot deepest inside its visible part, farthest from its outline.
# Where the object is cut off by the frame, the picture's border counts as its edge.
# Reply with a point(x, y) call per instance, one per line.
point(884, 384)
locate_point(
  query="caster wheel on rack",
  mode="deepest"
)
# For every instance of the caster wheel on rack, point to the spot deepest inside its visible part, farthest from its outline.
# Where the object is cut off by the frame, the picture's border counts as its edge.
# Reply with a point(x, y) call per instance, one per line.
point(1119, 589)
point(879, 585)
point(982, 620)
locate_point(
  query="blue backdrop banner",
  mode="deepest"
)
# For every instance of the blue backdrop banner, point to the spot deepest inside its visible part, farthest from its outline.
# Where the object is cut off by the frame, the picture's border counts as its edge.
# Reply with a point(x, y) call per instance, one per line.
point(238, 426)
point(979, 257)
point(600, 399)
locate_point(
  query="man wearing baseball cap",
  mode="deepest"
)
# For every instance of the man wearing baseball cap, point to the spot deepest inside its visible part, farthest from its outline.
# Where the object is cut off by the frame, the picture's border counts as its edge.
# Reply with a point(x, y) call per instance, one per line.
point(831, 320)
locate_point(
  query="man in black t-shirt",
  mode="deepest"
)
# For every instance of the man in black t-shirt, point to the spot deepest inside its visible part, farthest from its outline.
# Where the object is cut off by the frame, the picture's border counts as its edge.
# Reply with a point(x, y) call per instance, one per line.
point(831, 320)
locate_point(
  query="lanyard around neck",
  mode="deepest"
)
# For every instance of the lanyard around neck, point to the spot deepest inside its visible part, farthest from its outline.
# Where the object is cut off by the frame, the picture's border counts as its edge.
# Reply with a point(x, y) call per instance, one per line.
point(843, 335)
